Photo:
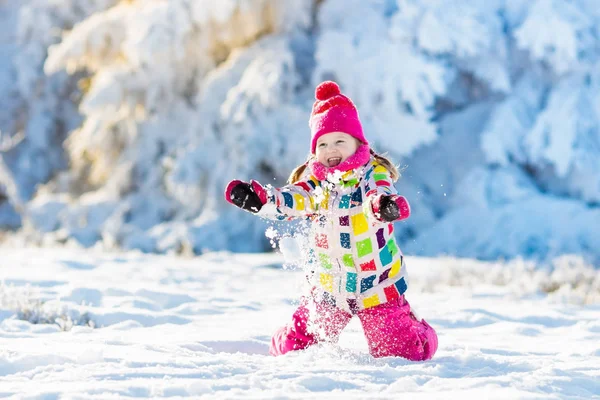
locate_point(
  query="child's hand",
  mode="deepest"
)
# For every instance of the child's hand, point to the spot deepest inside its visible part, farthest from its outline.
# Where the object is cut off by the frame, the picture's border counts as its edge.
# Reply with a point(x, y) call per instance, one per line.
point(391, 208)
point(247, 196)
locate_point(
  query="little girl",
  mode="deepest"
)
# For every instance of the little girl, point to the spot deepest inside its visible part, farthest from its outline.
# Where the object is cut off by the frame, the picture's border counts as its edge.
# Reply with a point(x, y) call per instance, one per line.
point(347, 192)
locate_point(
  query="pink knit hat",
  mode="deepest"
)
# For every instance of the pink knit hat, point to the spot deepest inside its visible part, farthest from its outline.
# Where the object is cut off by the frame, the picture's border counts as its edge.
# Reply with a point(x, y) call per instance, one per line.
point(333, 112)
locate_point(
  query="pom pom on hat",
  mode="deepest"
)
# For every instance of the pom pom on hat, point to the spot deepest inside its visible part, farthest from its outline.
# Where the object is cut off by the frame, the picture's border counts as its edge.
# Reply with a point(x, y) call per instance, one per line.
point(326, 90)
point(333, 112)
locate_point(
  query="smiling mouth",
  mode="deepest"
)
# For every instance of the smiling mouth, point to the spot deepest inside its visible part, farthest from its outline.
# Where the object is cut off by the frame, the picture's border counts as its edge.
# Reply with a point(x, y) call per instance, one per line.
point(334, 161)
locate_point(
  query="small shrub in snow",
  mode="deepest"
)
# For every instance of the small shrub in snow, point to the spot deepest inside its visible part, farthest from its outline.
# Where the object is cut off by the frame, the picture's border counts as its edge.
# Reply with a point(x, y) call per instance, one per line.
point(566, 278)
point(29, 308)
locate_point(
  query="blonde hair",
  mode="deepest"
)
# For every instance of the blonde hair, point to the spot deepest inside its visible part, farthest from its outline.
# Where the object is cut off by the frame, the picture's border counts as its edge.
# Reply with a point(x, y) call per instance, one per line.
point(299, 171)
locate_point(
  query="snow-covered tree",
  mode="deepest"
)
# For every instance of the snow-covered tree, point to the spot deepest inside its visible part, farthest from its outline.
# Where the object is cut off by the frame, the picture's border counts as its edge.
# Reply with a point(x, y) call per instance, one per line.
point(542, 134)
point(492, 107)
point(37, 110)
point(556, 110)
point(175, 89)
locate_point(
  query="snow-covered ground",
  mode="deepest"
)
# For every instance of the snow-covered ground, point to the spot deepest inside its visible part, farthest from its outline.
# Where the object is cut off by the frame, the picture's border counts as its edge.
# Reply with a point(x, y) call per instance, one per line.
point(200, 327)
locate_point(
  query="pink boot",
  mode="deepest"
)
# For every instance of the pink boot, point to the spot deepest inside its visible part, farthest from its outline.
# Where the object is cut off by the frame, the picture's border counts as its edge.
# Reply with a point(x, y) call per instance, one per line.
point(392, 330)
point(293, 336)
point(306, 329)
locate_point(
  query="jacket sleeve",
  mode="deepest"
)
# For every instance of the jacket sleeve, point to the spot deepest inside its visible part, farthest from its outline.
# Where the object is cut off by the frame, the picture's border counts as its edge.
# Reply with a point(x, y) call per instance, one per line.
point(291, 201)
point(379, 183)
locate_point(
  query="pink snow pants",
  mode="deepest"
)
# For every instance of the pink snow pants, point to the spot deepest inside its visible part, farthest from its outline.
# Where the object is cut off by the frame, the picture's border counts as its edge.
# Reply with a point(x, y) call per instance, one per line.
point(391, 330)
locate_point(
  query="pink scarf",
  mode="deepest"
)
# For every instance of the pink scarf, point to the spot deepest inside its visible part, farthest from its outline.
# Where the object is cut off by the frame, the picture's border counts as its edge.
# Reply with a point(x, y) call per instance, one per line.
point(361, 156)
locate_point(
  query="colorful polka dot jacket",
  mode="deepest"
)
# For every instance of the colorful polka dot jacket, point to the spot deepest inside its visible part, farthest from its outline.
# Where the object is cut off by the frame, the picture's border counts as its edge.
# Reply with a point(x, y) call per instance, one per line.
point(353, 256)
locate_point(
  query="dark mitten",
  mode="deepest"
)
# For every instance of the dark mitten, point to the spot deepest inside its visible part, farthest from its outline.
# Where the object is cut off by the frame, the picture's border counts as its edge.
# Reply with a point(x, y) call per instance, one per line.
point(391, 208)
point(247, 196)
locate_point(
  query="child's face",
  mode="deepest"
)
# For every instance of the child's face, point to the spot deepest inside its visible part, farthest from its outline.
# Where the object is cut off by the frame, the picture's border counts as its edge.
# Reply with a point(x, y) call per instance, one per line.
point(335, 147)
